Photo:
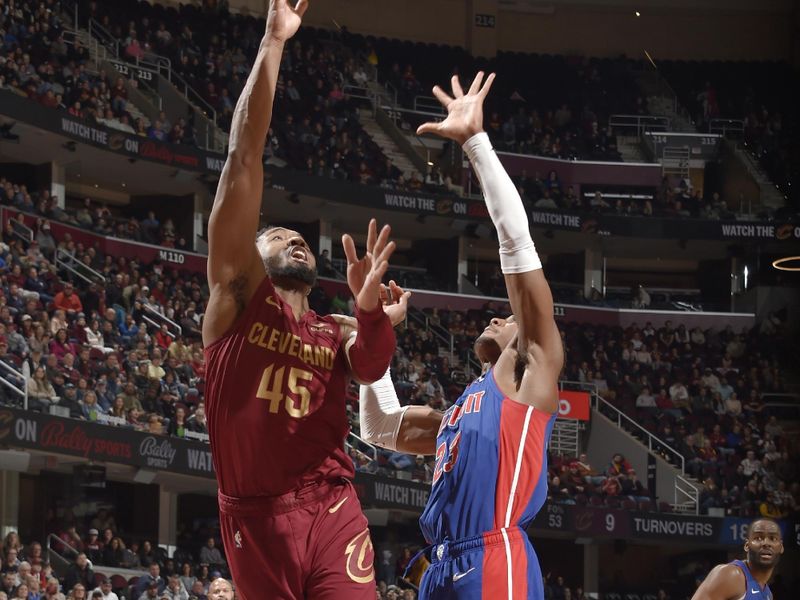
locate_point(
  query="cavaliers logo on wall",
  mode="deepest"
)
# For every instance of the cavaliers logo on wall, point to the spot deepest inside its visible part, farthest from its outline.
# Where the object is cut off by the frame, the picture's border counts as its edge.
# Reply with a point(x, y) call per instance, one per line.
point(360, 557)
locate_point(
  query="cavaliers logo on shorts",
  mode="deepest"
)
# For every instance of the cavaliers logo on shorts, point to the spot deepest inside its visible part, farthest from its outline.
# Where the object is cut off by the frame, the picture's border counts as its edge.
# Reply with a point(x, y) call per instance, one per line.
point(359, 558)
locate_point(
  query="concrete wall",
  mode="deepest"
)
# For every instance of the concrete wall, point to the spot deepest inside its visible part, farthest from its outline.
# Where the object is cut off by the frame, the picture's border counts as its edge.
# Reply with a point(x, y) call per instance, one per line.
point(606, 439)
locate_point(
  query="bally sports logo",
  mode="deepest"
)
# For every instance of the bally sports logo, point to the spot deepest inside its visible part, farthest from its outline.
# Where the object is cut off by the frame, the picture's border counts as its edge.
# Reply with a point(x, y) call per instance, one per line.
point(157, 453)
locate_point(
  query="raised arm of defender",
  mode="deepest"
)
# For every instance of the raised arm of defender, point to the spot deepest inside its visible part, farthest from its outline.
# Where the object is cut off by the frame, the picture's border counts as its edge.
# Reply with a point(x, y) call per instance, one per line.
point(539, 342)
point(234, 266)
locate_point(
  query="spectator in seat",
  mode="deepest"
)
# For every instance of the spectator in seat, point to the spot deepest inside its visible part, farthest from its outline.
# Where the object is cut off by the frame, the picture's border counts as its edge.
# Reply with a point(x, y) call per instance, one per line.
point(187, 577)
point(421, 471)
point(175, 590)
point(9, 584)
point(114, 553)
point(93, 547)
point(68, 301)
point(52, 591)
point(79, 573)
point(40, 390)
point(151, 581)
point(104, 590)
point(197, 422)
point(210, 554)
point(220, 589)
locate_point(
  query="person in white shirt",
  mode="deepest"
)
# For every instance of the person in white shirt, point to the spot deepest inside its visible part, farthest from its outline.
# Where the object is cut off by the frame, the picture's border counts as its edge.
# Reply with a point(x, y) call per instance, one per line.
point(645, 399)
point(105, 589)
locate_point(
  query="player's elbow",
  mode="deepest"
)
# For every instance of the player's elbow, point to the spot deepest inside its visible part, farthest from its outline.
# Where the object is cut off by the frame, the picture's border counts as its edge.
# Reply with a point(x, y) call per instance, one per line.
point(241, 158)
point(368, 373)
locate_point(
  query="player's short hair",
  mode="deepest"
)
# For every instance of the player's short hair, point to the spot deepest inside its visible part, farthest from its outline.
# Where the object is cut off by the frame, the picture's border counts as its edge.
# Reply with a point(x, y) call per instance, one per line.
point(265, 230)
point(765, 519)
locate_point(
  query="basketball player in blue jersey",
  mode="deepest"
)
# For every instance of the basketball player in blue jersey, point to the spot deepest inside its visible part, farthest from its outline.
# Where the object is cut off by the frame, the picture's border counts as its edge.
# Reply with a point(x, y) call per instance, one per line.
point(747, 579)
point(490, 477)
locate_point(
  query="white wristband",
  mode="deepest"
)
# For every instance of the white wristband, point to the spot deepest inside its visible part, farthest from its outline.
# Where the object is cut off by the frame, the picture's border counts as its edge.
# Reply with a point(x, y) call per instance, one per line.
point(517, 251)
point(380, 413)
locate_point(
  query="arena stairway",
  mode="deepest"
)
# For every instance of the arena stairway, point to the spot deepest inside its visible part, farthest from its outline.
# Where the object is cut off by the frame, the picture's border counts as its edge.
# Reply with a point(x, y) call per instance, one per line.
point(389, 147)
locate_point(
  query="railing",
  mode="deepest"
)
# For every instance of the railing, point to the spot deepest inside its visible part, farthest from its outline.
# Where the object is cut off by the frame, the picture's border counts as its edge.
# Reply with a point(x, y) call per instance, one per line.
point(441, 334)
point(19, 391)
point(21, 231)
point(80, 269)
point(104, 37)
point(360, 440)
point(641, 123)
point(160, 65)
point(160, 319)
point(726, 126)
point(58, 561)
point(654, 444)
point(686, 491)
point(429, 104)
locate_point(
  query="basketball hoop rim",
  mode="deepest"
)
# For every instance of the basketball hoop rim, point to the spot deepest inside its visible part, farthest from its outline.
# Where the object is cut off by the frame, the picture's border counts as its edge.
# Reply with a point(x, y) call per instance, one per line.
point(778, 262)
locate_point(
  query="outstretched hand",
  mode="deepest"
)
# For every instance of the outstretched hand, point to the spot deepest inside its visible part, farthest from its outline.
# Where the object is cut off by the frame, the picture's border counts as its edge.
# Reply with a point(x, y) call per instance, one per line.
point(464, 111)
point(364, 274)
point(283, 19)
point(395, 302)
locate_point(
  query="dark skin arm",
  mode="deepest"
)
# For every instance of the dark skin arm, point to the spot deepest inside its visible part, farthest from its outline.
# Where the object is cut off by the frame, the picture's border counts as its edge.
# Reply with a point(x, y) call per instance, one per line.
point(235, 269)
point(725, 582)
point(538, 342)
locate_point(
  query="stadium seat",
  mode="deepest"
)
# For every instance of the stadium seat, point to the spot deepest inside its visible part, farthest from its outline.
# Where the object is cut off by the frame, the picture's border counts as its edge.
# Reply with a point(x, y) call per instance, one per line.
point(118, 582)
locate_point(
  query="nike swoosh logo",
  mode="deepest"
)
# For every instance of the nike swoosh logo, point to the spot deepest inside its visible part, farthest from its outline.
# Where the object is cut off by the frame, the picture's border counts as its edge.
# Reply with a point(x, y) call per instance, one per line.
point(755, 591)
point(458, 576)
point(338, 505)
point(272, 302)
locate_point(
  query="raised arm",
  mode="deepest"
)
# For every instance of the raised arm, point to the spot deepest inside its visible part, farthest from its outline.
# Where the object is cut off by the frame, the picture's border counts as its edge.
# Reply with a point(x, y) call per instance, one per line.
point(538, 341)
point(724, 582)
point(234, 265)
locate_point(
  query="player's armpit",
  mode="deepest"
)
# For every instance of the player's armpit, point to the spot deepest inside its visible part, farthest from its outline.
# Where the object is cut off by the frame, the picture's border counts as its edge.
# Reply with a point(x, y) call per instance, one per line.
point(724, 582)
point(418, 430)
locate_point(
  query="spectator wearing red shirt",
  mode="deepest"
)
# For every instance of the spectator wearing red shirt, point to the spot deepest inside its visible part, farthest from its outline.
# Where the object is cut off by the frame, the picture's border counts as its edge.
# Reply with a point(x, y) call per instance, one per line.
point(163, 338)
point(68, 301)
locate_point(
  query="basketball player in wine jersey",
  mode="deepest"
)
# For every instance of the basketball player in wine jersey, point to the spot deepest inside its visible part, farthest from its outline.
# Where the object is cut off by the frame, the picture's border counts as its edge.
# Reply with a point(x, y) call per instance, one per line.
point(747, 579)
point(490, 478)
point(277, 374)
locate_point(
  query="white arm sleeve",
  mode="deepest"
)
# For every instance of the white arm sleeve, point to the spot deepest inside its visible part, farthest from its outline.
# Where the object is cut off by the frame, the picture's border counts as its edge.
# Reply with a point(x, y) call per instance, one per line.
point(517, 252)
point(380, 413)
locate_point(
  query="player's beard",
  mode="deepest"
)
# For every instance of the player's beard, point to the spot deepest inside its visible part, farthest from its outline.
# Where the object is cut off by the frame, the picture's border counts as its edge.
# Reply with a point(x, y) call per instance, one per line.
point(286, 271)
point(754, 558)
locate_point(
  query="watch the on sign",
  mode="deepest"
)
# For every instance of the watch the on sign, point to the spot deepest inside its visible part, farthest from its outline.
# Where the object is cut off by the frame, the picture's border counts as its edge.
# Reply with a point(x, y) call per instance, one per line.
point(482, 20)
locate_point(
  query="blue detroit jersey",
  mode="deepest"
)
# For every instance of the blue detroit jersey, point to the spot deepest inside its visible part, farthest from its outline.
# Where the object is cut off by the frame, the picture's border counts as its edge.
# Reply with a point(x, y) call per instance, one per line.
point(491, 465)
point(754, 589)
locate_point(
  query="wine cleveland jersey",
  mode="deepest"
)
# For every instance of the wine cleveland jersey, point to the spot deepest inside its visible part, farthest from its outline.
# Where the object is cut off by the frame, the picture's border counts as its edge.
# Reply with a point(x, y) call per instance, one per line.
point(275, 400)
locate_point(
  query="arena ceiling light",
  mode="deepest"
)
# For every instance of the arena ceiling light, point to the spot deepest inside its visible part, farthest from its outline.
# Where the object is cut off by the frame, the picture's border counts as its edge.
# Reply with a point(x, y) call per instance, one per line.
point(781, 263)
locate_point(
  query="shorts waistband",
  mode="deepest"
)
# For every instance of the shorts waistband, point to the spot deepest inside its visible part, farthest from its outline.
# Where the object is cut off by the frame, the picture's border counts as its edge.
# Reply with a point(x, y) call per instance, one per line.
point(450, 549)
point(276, 505)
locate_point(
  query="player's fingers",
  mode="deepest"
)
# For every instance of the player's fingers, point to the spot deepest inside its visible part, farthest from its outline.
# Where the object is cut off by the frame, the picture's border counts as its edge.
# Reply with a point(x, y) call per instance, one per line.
point(301, 8)
point(383, 238)
point(372, 230)
point(488, 85)
point(456, 85)
point(395, 289)
point(380, 269)
point(386, 254)
point(349, 249)
point(384, 294)
point(476, 83)
point(428, 128)
point(442, 96)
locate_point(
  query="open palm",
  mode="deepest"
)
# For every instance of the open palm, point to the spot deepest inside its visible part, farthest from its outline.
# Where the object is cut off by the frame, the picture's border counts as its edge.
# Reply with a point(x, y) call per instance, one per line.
point(464, 111)
point(283, 20)
point(364, 274)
